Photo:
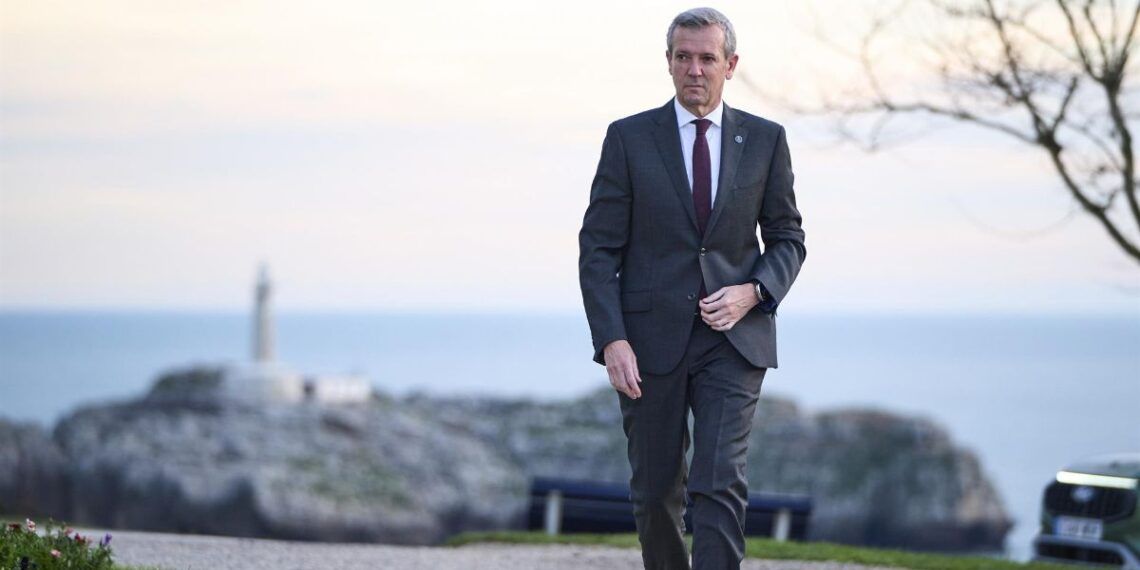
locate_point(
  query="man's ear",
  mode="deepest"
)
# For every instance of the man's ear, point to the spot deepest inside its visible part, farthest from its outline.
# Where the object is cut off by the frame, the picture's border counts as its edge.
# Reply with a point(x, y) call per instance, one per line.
point(669, 62)
point(731, 65)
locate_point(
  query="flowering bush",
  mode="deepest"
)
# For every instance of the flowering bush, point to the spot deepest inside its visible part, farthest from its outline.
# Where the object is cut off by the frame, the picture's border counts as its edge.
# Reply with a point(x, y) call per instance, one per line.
point(23, 548)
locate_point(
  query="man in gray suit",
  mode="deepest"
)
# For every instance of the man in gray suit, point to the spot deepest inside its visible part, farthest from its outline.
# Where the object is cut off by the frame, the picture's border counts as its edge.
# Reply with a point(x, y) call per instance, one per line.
point(680, 296)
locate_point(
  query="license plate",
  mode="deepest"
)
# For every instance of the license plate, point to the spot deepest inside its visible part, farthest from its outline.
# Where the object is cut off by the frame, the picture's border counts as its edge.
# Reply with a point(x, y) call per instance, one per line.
point(1090, 529)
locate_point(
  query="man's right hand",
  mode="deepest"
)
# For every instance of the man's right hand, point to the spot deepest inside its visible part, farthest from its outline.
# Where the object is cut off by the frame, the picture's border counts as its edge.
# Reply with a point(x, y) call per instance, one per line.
point(621, 364)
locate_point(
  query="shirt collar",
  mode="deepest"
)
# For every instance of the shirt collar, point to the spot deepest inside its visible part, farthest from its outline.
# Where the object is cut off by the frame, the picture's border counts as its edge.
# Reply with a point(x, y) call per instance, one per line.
point(684, 117)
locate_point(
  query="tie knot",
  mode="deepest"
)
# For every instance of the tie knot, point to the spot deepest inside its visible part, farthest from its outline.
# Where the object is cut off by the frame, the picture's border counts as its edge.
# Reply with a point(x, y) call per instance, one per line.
point(702, 126)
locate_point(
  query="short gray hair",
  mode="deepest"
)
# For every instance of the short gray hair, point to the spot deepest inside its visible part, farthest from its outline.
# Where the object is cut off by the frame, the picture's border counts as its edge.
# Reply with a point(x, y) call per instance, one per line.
point(697, 18)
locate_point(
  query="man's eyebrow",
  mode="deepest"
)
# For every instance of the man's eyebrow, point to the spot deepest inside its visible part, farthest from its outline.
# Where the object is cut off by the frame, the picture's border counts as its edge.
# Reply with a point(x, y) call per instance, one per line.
point(702, 54)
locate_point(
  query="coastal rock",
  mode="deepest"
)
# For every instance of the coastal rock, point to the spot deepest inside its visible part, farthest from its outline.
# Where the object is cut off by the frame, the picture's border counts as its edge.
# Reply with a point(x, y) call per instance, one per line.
point(181, 460)
point(33, 472)
point(414, 470)
point(573, 439)
point(875, 478)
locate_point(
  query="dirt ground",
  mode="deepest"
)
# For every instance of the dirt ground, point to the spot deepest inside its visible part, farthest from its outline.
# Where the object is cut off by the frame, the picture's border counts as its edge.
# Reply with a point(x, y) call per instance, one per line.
point(188, 552)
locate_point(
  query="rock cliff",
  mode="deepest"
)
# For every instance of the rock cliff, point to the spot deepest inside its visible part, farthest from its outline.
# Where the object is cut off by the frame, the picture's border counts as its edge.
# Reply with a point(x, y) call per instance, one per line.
point(417, 469)
point(875, 478)
point(33, 471)
point(183, 459)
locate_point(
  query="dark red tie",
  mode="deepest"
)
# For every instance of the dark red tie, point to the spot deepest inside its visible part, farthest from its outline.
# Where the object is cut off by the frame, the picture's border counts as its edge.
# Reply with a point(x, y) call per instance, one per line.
point(702, 175)
point(702, 181)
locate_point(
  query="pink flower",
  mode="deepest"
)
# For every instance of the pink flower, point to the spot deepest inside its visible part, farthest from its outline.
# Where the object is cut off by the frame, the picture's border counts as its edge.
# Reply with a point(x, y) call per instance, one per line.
point(54, 553)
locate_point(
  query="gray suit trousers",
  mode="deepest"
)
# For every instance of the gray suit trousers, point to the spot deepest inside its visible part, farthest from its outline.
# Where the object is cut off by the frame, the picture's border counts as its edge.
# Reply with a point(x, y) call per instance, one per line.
point(721, 389)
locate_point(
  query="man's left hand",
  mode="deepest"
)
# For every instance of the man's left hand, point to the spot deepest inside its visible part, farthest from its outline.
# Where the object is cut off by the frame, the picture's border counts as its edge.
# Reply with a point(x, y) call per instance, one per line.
point(724, 308)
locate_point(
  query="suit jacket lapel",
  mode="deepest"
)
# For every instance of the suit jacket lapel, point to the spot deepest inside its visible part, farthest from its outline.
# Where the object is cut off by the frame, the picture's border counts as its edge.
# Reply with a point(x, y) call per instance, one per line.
point(731, 149)
point(668, 137)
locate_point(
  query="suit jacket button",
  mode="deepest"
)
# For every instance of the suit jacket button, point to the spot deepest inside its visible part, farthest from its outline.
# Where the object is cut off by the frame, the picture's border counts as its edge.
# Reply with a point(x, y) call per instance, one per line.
point(703, 251)
point(692, 296)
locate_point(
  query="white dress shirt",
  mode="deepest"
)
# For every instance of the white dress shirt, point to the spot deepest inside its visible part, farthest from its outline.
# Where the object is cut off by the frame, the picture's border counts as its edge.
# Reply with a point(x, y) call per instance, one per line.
point(689, 136)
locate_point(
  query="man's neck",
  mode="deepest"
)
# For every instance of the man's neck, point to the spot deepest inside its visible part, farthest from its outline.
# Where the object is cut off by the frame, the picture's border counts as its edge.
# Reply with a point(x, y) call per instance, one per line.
point(686, 115)
point(700, 112)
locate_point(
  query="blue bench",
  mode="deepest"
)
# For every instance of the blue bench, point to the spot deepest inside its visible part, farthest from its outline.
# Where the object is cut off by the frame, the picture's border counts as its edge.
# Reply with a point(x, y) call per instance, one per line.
point(572, 506)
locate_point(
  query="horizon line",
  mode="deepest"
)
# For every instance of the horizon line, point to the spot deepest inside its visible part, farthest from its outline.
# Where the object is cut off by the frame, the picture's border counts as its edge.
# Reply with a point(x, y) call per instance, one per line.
point(982, 312)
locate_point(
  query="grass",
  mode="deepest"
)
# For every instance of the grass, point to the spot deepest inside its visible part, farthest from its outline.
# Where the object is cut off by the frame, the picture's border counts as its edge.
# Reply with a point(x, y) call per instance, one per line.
point(772, 550)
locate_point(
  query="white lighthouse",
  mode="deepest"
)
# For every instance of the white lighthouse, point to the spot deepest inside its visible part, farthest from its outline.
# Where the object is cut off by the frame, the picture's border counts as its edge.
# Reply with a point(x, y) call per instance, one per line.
point(262, 318)
point(263, 379)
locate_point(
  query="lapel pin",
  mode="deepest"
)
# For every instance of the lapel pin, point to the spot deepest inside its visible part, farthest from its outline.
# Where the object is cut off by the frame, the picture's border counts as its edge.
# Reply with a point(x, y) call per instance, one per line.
point(739, 139)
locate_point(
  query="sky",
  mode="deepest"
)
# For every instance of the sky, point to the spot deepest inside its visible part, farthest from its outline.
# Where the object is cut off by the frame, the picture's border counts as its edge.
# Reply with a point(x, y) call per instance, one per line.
point(437, 156)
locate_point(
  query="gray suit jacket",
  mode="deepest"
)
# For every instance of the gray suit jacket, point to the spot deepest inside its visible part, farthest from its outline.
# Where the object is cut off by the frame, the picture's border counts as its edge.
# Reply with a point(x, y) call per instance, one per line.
point(641, 257)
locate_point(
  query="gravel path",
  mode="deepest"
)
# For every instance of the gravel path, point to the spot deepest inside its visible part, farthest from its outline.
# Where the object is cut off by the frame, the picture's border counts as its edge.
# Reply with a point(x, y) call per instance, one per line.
point(191, 552)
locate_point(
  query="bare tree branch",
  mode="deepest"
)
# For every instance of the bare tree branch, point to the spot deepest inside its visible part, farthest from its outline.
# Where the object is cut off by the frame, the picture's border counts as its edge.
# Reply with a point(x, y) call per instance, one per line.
point(1065, 94)
point(1078, 40)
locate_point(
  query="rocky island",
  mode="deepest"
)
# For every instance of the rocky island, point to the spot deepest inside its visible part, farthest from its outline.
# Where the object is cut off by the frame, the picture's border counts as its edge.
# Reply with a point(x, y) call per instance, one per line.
point(187, 457)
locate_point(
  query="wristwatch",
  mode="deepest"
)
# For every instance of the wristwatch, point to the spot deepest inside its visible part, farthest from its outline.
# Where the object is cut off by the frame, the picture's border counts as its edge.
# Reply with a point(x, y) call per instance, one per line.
point(760, 292)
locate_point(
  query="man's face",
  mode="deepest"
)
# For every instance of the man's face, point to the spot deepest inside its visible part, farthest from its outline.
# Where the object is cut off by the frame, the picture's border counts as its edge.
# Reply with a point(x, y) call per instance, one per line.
point(699, 68)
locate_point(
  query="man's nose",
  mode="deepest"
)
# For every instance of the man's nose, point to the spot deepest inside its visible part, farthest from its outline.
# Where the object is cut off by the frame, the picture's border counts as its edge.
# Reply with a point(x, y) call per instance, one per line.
point(694, 69)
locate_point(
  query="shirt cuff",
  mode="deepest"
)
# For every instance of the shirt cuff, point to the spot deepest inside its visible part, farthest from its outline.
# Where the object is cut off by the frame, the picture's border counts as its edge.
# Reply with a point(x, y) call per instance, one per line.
point(768, 305)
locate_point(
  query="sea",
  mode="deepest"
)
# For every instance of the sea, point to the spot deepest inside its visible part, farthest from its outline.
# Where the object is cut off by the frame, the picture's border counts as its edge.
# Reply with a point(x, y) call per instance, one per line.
point(1027, 393)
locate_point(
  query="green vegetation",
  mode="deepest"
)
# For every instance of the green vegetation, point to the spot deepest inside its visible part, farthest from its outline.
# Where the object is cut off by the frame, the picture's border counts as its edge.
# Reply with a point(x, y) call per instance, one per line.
point(53, 546)
point(193, 381)
point(533, 537)
point(772, 550)
point(57, 547)
point(363, 479)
